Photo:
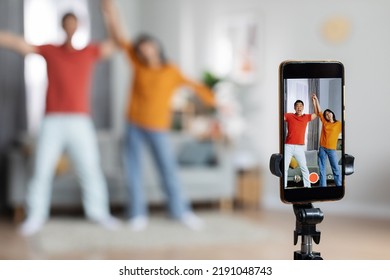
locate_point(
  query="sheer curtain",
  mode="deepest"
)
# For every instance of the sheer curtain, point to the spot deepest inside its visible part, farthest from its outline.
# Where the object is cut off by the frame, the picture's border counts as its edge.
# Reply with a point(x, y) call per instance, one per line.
point(297, 90)
point(302, 89)
point(313, 127)
point(42, 26)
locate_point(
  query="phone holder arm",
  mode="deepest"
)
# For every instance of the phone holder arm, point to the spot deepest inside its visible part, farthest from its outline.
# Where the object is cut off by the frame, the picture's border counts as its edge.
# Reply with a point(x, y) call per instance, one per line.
point(349, 161)
point(275, 165)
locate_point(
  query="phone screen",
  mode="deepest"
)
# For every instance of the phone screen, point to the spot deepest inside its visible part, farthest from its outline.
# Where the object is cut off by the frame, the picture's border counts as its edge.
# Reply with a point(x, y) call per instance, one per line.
point(312, 131)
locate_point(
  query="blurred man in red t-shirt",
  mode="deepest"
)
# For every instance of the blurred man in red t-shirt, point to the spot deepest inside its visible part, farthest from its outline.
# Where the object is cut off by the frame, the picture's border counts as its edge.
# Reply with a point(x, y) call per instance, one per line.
point(67, 125)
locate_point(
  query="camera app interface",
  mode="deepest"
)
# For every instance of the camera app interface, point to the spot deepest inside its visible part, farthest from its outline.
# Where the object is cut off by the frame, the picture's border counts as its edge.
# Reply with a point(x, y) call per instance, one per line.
point(313, 133)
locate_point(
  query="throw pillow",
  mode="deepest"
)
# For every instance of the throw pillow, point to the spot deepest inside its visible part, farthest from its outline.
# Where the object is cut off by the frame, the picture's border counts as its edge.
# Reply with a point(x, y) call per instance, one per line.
point(293, 163)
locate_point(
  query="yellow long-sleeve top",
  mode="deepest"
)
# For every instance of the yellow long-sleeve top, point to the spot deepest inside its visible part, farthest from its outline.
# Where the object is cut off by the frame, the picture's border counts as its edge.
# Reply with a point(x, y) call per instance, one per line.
point(152, 89)
point(330, 133)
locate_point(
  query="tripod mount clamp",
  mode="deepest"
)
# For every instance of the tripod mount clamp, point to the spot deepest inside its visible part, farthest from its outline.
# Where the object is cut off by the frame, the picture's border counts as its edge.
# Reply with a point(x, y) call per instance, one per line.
point(307, 217)
point(276, 164)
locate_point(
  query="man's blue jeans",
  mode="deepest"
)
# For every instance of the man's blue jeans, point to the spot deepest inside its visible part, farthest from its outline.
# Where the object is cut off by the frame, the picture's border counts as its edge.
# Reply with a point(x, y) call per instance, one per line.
point(323, 153)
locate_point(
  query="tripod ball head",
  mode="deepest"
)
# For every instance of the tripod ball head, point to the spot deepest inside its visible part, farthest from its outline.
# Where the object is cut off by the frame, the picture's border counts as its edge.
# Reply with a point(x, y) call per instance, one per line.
point(310, 216)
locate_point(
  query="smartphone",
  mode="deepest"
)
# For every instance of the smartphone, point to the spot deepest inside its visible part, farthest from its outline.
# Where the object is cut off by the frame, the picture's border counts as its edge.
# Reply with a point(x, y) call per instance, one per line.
point(312, 126)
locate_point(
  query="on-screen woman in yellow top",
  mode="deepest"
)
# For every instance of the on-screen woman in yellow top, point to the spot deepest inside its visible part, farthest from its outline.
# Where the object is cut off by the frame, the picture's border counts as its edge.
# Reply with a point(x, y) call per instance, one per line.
point(331, 129)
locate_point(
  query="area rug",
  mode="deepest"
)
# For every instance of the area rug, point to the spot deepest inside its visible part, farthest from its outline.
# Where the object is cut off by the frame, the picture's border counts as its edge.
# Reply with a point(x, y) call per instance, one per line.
point(63, 235)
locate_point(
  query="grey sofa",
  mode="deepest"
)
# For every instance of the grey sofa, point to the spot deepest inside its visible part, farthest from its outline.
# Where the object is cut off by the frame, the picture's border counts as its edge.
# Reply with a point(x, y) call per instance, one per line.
point(209, 176)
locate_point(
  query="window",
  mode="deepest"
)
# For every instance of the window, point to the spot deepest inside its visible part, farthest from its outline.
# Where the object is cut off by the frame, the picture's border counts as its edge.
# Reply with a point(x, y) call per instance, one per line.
point(42, 26)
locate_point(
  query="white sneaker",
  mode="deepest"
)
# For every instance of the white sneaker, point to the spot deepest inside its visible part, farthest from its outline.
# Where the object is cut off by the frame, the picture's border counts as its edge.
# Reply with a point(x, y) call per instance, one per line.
point(110, 223)
point(192, 221)
point(30, 227)
point(138, 223)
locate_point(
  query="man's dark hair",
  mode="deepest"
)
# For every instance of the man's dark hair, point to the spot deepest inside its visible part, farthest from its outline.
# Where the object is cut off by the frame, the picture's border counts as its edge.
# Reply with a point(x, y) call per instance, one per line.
point(66, 16)
point(144, 38)
point(298, 101)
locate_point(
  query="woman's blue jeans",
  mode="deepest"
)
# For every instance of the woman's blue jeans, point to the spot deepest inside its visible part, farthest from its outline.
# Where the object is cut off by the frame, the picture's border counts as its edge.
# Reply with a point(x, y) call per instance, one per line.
point(160, 147)
point(323, 153)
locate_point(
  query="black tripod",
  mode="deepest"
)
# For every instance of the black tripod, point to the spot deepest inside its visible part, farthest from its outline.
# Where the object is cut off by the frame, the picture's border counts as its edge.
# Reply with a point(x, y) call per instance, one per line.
point(306, 219)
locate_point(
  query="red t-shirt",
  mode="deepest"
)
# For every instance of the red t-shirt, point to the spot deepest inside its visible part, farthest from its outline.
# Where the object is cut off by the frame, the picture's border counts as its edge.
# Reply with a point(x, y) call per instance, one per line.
point(296, 126)
point(69, 75)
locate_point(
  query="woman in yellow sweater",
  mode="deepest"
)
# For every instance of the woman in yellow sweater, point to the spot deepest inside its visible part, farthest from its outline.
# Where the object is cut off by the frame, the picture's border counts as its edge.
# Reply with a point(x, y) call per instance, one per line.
point(148, 121)
point(331, 129)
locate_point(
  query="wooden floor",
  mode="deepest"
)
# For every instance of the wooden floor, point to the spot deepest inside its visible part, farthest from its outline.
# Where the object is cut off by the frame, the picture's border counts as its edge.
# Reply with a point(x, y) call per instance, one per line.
point(342, 238)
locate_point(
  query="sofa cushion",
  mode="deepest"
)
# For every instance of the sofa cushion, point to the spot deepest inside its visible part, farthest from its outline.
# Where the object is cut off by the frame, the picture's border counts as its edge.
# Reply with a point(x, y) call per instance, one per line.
point(197, 153)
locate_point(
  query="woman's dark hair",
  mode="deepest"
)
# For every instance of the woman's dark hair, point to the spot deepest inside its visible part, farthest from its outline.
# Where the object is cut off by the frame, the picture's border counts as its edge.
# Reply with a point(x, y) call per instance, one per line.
point(66, 16)
point(330, 111)
point(144, 38)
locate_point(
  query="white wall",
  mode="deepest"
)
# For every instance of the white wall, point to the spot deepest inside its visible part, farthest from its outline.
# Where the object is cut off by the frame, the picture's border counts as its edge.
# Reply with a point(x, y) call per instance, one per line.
point(293, 30)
